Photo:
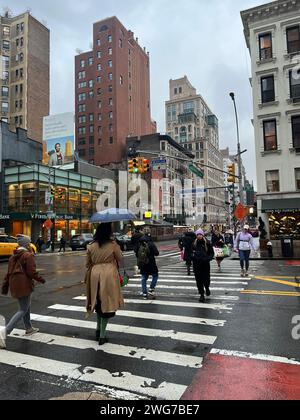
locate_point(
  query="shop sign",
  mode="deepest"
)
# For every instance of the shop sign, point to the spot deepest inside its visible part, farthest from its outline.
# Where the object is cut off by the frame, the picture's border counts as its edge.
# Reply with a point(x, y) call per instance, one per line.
point(65, 217)
point(4, 217)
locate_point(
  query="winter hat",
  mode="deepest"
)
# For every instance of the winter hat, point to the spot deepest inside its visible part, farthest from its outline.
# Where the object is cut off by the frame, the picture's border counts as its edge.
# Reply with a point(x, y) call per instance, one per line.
point(23, 241)
point(200, 232)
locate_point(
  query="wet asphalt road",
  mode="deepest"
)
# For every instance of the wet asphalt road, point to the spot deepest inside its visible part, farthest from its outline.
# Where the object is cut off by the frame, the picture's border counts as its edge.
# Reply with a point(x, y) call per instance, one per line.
point(259, 324)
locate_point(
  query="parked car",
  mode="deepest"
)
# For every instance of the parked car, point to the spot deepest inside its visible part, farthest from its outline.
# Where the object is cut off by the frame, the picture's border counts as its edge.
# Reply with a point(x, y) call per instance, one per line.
point(124, 241)
point(8, 244)
point(81, 241)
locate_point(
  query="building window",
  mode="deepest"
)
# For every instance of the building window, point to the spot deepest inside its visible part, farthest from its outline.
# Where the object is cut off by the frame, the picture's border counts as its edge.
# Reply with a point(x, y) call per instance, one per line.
point(5, 91)
point(99, 104)
point(109, 38)
point(99, 117)
point(180, 90)
point(265, 47)
point(6, 31)
point(81, 97)
point(99, 79)
point(91, 84)
point(110, 63)
point(111, 115)
point(293, 39)
point(81, 108)
point(92, 140)
point(91, 94)
point(267, 89)
point(188, 107)
point(82, 119)
point(110, 88)
point(91, 129)
point(295, 84)
point(110, 76)
point(110, 102)
point(81, 85)
point(91, 152)
point(175, 91)
point(81, 152)
point(98, 42)
point(99, 142)
point(120, 43)
point(111, 128)
point(110, 51)
point(296, 132)
point(81, 75)
point(99, 91)
point(270, 135)
point(99, 67)
point(297, 177)
point(91, 61)
point(81, 130)
point(82, 63)
point(99, 130)
point(111, 140)
point(121, 80)
point(81, 142)
point(6, 45)
point(99, 54)
point(91, 117)
point(273, 184)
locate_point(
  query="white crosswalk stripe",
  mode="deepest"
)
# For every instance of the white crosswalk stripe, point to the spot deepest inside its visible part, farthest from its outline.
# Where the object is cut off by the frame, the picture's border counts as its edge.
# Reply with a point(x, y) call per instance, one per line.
point(155, 341)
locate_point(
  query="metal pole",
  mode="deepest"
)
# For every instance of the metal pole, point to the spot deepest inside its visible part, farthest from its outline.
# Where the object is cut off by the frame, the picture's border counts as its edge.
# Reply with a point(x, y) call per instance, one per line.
point(239, 151)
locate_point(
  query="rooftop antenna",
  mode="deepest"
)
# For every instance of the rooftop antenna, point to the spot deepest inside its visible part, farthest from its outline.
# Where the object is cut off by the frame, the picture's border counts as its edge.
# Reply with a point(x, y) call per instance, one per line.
point(7, 12)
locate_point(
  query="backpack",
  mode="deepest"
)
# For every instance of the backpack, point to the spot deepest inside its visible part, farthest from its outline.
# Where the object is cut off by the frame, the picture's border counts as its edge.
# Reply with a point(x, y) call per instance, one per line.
point(143, 254)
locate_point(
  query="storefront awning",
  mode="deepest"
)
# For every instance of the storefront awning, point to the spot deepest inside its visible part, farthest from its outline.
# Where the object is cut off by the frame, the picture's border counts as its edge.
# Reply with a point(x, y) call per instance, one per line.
point(285, 205)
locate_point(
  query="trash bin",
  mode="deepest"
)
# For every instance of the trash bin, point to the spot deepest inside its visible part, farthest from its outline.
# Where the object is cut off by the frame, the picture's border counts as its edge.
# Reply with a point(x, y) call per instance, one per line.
point(287, 246)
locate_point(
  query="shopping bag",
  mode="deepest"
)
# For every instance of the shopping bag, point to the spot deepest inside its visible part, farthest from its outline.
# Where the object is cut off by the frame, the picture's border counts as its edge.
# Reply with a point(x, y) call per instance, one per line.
point(181, 256)
point(226, 251)
point(218, 252)
point(124, 279)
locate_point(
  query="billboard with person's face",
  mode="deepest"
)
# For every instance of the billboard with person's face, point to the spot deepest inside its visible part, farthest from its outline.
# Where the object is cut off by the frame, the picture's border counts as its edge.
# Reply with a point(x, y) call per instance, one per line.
point(58, 139)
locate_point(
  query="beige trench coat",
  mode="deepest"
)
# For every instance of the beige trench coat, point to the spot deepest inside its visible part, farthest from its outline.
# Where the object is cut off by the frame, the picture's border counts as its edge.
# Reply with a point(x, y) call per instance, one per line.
point(102, 277)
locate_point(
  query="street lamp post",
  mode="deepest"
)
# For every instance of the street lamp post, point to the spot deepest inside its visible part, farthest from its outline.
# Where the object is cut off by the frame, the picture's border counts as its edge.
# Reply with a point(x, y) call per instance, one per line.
point(239, 155)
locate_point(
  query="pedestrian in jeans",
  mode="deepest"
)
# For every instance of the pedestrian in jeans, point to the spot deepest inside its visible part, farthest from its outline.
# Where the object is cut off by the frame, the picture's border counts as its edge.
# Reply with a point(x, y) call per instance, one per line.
point(203, 254)
point(19, 281)
point(243, 245)
point(147, 252)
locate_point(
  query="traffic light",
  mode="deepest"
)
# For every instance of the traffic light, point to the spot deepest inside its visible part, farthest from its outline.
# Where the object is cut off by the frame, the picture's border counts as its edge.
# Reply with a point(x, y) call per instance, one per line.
point(60, 194)
point(130, 166)
point(136, 165)
point(146, 166)
point(231, 174)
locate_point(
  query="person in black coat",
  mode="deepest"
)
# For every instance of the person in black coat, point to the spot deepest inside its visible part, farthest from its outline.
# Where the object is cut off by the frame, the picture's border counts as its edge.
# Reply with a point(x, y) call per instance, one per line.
point(203, 254)
point(187, 244)
point(147, 251)
point(136, 237)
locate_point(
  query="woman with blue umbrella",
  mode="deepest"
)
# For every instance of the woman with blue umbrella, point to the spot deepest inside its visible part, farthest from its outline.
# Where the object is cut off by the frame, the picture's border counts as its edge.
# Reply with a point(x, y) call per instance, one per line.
point(104, 293)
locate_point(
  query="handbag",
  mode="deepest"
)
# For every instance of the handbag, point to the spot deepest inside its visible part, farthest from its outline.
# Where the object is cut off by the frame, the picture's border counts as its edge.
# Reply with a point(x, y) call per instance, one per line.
point(124, 280)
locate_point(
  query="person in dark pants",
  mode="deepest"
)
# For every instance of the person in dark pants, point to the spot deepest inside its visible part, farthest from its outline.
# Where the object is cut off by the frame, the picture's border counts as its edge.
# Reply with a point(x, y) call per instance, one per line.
point(147, 252)
point(62, 244)
point(187, 245)
point(136, 237)
point(203, 254)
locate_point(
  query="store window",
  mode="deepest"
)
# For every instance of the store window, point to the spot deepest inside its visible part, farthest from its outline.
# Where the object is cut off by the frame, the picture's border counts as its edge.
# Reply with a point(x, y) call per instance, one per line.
point(297, 176)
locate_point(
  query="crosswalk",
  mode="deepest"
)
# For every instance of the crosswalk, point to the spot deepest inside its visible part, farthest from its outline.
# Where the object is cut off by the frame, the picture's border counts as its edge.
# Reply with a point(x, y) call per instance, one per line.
point(155, 346)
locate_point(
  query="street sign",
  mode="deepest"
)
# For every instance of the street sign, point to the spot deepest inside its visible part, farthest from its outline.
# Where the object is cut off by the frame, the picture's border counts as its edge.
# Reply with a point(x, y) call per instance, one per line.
point(240, 212)
point(48, 198)
point(193, 191)
point(159, 165)
point(48, 224)
point(148, 215)
point(196, 171)
point(51, 215)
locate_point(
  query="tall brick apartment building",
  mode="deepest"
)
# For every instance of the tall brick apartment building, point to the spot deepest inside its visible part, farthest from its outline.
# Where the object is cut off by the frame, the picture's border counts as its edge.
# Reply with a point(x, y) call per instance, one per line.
point(25, 78)
point(112, 90)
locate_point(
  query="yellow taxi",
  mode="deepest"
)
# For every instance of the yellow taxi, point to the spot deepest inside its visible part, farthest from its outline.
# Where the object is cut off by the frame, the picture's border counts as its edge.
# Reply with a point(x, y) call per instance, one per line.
point(8, 244)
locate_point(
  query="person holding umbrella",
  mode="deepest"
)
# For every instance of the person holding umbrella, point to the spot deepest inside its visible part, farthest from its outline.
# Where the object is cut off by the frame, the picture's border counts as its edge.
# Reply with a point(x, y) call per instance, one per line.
point(104, 295)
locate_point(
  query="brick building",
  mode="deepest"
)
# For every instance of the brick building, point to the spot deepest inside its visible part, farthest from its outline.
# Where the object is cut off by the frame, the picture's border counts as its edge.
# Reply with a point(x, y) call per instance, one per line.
point(25, 78)
point(112, 91)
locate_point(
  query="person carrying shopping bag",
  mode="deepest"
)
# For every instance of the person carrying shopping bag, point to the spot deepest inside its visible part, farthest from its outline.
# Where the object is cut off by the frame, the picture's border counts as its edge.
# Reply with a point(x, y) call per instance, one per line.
point(19, 281)
point(244, 243)
point(104, 295)
point(218, 244)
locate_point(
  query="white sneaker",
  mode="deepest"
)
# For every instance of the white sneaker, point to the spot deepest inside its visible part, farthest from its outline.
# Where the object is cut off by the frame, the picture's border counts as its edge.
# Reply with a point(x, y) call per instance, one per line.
point(243, 273)
point(2, 338)
point(31, 332)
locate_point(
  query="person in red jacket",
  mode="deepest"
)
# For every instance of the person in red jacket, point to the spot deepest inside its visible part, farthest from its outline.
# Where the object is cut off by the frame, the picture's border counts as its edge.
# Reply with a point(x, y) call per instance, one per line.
point(20, 282)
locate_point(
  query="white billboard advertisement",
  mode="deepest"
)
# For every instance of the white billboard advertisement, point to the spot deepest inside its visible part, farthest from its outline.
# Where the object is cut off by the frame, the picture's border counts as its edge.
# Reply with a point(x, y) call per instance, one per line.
point(58, 139)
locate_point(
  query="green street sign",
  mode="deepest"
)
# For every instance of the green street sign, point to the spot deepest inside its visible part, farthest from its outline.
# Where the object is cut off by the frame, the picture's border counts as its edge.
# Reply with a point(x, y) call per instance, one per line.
point(196, 171)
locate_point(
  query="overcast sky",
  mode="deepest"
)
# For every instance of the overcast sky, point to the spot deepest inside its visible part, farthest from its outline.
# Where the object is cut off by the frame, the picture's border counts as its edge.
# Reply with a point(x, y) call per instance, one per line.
point(198, 38)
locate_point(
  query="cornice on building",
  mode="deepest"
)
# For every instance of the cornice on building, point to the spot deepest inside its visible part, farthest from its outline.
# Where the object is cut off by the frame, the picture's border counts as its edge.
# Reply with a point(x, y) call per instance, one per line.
point(275, 10)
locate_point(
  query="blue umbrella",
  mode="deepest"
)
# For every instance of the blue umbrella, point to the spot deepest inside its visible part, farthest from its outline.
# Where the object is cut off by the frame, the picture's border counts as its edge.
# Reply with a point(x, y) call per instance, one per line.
point(112, 215)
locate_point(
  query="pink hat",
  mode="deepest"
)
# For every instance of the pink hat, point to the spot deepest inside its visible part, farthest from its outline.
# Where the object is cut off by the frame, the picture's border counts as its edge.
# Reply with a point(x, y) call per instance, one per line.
point(200, 232)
